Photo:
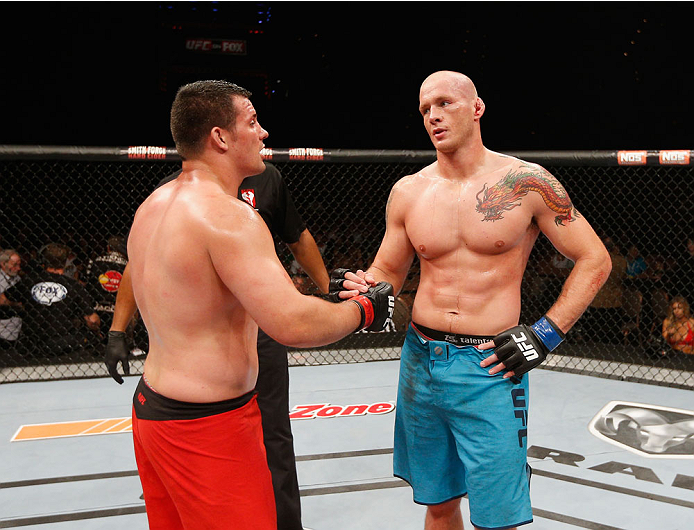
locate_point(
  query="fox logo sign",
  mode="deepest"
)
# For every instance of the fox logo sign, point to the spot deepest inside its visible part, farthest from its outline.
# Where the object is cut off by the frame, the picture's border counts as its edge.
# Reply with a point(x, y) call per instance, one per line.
point(528, 350)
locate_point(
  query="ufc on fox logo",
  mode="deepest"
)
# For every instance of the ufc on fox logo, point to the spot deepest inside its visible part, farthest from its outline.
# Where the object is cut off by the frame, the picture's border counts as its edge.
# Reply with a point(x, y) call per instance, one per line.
point(526, 348)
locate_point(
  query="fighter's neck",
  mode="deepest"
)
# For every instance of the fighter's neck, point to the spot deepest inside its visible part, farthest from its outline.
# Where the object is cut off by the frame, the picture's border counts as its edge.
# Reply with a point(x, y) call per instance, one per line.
point(463, 164)
point(227, 177)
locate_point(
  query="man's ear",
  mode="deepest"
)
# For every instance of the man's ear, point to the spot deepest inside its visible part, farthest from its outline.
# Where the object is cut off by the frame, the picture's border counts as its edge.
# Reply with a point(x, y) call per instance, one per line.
point(220, 138)
point(479, 108)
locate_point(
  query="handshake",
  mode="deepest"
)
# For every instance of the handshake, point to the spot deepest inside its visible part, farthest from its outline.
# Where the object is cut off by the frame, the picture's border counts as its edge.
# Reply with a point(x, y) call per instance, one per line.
point(376, 304)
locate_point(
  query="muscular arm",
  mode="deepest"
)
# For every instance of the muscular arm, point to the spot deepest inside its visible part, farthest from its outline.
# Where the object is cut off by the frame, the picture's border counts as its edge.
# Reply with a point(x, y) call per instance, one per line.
point(395, 255)
point(125, 303)
point(243, 255)
point(307, 254)
point(575, 239)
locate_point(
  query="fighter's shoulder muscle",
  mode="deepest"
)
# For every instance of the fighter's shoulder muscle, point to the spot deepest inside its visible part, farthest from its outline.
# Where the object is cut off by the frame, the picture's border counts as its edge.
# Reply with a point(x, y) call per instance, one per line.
point(409, 187)
point(400, 198)
point(522, 170)
point(231, 216)
point(550, 199)
point(530, 169)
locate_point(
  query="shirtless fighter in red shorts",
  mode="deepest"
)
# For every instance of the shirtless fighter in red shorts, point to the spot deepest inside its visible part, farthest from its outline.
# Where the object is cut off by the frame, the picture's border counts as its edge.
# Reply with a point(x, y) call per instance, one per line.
point(205, 275)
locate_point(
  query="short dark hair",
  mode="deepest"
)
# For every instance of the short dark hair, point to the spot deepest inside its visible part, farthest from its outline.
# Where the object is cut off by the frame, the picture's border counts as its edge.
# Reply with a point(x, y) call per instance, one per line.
point(197, 108)
point(55, 256)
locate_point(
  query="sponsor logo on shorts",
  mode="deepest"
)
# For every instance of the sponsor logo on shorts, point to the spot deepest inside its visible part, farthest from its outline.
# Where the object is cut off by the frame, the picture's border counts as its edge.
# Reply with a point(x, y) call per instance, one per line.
point(520, 412)
point(48, 293)
point(461, 340)
point(647, 430)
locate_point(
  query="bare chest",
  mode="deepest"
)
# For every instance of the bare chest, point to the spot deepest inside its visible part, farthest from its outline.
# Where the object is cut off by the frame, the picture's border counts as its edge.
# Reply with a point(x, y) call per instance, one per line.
point(452, 218)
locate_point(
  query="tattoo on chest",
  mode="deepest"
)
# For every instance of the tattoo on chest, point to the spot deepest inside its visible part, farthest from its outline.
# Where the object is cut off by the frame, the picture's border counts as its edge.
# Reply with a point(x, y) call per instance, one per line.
point(506, 194)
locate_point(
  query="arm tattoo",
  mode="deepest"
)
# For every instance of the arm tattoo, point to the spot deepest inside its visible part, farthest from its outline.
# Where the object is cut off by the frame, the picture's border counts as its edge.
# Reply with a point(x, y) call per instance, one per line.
point(508, 192)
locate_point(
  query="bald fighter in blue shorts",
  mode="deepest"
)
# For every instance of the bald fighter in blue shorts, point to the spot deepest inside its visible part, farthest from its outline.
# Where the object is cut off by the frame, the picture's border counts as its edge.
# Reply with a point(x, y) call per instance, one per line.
point(472, 219)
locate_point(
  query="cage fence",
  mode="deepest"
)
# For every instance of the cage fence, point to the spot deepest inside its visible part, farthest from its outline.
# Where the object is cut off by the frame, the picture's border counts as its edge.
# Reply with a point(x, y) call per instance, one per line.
point(81, 201)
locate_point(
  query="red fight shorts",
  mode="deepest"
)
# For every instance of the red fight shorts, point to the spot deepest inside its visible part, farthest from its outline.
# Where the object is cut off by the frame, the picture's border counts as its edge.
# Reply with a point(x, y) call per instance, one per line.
point(202, 465)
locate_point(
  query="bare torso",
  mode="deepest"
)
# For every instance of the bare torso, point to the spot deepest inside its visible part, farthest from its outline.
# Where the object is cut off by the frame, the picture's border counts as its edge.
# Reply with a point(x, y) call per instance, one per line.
point(202, 342)
point(471, 268)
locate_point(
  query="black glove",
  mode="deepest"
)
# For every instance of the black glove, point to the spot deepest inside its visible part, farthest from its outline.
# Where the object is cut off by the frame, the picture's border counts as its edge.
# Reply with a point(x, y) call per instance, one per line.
point(376, 306)
point(522, 348)
point(335, 287)
point(117, 351)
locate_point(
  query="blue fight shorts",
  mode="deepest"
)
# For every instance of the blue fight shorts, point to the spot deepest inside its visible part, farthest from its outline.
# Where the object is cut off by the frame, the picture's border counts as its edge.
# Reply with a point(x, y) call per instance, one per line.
point(459, 430)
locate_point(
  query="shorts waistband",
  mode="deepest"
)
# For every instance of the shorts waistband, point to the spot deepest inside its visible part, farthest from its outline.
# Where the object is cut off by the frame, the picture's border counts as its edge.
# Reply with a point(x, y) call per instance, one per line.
point(150, 405)
point(453, 338)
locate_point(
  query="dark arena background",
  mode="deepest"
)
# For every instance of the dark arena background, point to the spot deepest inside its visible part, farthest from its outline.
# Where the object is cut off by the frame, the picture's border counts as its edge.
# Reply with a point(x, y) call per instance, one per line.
point(81, 196)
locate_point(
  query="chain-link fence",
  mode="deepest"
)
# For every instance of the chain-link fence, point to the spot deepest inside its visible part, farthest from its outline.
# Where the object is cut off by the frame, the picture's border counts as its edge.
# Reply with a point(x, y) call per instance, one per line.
point(73, 204)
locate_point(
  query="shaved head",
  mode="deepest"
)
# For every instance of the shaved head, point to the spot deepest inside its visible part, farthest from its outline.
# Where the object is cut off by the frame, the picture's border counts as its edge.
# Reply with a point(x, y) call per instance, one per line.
point(455, 81)
point(451, 109)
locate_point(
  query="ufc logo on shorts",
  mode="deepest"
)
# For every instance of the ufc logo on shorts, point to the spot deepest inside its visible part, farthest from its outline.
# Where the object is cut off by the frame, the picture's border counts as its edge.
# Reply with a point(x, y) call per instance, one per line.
point(528, 351)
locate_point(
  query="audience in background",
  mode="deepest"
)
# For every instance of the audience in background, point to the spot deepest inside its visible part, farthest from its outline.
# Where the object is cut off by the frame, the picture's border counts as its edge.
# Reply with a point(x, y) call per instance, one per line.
point(680, 280)
point(103, 276)
point(636, 264)
point(662, 285)
point(10, 320)
point(678, 326)
point(605, 315)
point(59, 314)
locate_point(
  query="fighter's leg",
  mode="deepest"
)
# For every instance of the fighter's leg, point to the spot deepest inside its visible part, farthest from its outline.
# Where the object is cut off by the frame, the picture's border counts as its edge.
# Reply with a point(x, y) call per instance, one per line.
point(444, 516)
point(161, 510)
point(488, 416)
point(424, 450)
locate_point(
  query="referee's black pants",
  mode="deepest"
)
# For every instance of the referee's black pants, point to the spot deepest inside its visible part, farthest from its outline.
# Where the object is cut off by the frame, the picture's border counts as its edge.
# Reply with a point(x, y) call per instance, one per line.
point(273, 400)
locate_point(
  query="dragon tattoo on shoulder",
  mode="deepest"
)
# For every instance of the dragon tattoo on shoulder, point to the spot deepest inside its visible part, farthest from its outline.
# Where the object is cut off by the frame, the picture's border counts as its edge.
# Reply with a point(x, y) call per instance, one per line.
point(506, 194)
